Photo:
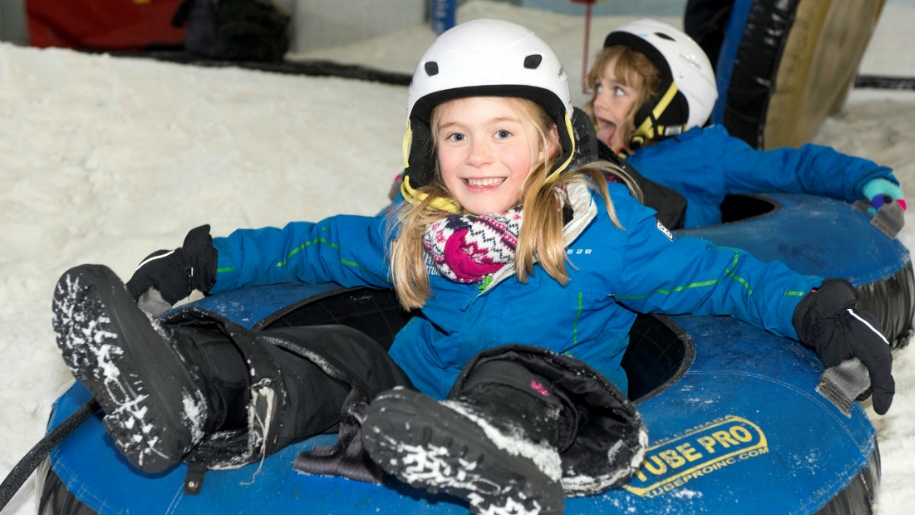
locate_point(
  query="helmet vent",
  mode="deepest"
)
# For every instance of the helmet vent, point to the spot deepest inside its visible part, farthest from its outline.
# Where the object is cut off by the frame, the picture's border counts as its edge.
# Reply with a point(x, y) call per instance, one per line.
point(532, 61)
point(664, 36)
point(431, 68)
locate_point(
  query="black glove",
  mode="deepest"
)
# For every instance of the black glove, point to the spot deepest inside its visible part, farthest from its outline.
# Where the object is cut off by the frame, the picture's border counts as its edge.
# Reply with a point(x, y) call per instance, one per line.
point(178, 272)
point(828, 321)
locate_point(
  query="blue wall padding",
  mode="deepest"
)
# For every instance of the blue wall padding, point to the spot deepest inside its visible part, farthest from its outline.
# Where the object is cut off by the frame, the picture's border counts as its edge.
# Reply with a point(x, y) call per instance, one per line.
point(725, 67)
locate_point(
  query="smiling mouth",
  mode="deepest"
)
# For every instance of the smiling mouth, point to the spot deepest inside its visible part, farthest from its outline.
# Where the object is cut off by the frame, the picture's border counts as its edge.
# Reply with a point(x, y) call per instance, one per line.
point(485, 183)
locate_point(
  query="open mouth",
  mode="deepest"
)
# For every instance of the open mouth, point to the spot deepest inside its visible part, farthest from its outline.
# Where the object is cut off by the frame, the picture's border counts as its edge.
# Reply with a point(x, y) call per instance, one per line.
point(487, 182)
point(606, 130)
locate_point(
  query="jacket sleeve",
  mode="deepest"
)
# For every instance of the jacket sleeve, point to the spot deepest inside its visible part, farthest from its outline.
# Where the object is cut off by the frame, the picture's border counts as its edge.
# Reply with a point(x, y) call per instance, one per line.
point(349, 250)
point(694, 276)
point(813, 169)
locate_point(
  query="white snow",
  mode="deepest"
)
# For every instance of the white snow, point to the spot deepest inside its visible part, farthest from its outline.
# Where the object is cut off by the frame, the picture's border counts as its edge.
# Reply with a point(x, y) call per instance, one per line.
point(194, 413)
point(105, 160)
point(513, 442)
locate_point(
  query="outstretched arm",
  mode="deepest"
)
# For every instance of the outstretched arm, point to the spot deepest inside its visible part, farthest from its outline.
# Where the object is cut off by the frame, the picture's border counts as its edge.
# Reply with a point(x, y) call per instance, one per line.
point(346, 249)
point(813, 169)
point(693, 276)
point(690, 275)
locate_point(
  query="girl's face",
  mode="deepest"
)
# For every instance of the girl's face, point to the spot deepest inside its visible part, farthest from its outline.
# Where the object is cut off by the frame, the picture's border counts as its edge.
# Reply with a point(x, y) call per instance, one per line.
point(614, 108)
point(485, 151)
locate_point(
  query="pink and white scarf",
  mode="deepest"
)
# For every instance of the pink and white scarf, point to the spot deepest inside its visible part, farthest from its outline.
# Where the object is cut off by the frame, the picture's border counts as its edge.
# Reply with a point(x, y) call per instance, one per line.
point(467, 248)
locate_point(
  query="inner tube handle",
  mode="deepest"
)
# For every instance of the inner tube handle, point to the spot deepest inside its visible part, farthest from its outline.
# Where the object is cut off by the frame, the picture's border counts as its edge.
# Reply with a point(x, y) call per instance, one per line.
point(889, 219)
point(193, 479)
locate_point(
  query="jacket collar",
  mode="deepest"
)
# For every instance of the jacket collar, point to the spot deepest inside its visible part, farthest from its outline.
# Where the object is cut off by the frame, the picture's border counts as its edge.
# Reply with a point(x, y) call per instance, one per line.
point(584, 211)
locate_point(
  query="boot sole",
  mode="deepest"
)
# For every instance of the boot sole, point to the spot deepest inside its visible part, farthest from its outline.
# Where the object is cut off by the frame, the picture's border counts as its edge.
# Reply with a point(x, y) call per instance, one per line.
point(428, 445)
point(131, 370)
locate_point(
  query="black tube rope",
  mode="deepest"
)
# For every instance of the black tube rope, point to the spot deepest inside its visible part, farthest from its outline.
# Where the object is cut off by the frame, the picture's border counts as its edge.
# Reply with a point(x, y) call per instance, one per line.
point(42, 449)
point(313, 68)
point(884, 82)
point(322, 68)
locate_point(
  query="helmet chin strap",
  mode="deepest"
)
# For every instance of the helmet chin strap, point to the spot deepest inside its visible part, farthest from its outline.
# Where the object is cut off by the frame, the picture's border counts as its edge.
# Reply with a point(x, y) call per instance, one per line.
point(415, 197)
point(649, 129)
point(569, 154)
point(407, 139)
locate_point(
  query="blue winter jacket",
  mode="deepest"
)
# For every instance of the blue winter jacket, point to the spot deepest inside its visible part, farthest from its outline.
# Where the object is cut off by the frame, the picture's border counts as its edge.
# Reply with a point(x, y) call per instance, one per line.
point(704, 165)
point(613, 274)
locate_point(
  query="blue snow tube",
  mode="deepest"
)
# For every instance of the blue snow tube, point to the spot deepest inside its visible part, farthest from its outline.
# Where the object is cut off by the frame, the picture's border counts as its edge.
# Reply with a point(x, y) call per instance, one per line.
point(735, 423)
point(825, 237)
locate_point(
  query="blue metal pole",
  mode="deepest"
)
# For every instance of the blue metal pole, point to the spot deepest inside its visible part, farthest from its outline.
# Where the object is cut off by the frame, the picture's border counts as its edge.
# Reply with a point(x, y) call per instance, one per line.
point(444, 14)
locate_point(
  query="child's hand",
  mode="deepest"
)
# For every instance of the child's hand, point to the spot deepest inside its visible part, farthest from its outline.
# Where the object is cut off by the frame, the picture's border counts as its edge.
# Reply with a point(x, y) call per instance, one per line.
point(829, 321)
point(175, 274)
point(880, 192)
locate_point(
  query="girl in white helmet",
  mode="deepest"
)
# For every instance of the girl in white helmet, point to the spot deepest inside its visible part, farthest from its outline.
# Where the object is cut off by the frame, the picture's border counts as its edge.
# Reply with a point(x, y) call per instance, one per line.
point(526, 276)
point(653, 90)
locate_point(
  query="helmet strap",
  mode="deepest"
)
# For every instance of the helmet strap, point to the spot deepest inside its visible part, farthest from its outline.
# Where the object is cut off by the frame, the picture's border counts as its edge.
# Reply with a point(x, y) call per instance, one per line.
point(416, 197)
point(407, 139)
point(568, 155)
point(649, 128)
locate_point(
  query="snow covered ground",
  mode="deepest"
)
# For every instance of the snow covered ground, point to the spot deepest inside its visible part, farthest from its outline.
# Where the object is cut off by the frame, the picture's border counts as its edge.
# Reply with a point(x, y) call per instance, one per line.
point(105, 160)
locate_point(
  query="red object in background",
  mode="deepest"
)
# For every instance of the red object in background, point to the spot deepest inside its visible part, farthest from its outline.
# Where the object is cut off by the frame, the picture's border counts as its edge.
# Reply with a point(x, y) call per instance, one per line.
point(584, 58)
point(103, 24)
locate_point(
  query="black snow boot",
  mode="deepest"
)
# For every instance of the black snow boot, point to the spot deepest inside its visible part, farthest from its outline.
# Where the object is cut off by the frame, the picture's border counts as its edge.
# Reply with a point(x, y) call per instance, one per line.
point(495, 442)
point(162, 388)
point(303, 381)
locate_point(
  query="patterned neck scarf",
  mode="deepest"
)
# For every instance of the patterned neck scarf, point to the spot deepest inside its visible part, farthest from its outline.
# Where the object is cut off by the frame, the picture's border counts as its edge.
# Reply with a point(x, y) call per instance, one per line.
point(467, 248)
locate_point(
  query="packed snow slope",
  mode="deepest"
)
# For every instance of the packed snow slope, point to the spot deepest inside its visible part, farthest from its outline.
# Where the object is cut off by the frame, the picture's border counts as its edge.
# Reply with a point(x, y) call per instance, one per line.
point(105, 160)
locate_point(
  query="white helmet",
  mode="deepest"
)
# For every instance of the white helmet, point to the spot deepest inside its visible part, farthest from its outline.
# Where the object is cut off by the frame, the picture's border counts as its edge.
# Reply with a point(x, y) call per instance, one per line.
point(483, 58)
point(687, 91)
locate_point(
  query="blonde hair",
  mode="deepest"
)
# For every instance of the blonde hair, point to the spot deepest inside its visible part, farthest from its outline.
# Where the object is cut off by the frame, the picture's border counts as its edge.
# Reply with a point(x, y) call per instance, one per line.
point(541, 238)
point(632, 69)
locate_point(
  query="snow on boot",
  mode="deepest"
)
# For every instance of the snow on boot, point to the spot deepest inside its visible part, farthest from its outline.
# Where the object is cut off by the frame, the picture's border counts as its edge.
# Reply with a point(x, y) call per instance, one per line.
point(454, 447)
point(597, 430)
point(155, 408)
